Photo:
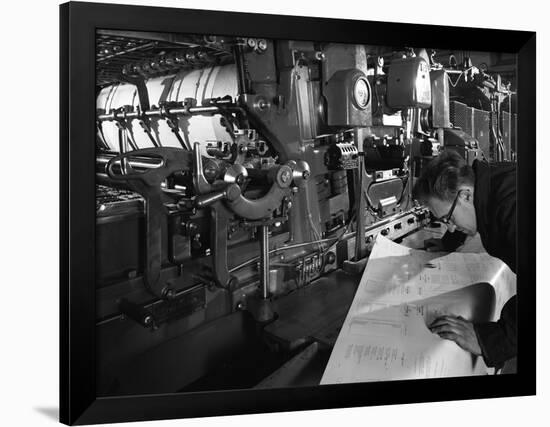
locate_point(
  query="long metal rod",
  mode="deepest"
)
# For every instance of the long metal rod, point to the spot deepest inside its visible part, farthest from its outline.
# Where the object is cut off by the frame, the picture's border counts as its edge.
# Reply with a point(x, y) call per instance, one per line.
point(185, 111)
point(281, 249)
point(360, 245)
point(264, 260)
point(103, 159)
point(157, 113)
point(124, 52)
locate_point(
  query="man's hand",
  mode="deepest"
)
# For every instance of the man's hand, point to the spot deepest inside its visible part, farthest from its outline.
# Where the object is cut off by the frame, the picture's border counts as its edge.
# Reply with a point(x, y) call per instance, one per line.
point(459, 330)
point(433, 245)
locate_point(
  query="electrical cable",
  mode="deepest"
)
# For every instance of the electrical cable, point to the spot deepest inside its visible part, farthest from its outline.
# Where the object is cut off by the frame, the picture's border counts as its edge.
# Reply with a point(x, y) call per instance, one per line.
point(281, 249)
point(458, 78)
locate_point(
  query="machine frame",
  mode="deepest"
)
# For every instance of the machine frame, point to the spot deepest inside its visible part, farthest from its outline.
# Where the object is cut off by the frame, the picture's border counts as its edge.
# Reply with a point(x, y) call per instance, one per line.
point(78, 401)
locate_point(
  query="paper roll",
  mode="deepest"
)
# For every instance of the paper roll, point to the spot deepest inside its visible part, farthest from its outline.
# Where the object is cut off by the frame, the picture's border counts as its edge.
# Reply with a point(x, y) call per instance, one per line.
point(201, 84)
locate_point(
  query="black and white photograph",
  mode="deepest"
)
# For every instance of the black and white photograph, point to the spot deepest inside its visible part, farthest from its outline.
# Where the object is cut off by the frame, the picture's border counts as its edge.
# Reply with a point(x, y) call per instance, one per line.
point(275, 214)
point(301, 213)
point(282, 213)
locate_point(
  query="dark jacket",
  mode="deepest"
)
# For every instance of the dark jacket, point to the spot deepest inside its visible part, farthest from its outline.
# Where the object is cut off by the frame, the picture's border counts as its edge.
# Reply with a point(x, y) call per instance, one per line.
point(495, 205)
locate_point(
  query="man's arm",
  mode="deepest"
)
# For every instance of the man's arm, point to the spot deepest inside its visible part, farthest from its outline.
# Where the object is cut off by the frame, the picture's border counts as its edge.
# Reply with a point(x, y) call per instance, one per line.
point(495, 341)
point(498, 340)
point(459, 330)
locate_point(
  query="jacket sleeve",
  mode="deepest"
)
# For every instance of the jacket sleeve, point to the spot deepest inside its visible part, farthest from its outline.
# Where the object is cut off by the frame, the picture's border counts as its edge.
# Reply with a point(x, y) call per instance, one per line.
point(506, 220)
point(498, 340)
point(451, 241)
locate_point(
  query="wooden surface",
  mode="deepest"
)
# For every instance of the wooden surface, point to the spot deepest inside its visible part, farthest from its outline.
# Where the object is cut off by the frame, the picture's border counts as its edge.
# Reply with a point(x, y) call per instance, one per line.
point(315, 312)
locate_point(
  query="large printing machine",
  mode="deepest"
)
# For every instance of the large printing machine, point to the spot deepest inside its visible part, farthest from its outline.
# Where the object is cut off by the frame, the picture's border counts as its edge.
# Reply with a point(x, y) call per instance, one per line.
point(240, 183)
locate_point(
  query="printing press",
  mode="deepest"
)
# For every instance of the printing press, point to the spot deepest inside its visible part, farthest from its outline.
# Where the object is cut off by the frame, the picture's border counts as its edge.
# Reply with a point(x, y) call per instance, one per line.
point(241, 182)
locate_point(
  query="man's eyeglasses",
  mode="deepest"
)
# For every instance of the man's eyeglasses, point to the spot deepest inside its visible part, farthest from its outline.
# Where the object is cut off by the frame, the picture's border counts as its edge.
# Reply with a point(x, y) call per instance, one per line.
point(447, 218)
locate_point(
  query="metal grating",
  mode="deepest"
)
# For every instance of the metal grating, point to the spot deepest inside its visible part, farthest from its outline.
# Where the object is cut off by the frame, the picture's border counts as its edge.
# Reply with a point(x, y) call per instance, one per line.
point(461, 116)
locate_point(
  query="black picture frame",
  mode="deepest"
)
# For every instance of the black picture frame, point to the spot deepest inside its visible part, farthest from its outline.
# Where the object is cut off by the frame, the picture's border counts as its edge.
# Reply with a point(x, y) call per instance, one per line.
point(78, 401)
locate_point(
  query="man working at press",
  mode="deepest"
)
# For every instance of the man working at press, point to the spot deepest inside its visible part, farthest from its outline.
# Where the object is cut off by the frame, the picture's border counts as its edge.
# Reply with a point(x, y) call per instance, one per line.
point(475, 199)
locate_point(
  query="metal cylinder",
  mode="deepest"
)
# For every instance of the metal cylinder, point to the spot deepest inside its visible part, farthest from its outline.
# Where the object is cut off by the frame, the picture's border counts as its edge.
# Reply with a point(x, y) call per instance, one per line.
point(135, 162)
point(264, 260)
point(200, 122)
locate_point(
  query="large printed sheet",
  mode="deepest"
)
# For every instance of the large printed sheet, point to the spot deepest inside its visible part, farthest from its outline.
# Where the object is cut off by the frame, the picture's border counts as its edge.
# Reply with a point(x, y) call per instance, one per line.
point(385, 334)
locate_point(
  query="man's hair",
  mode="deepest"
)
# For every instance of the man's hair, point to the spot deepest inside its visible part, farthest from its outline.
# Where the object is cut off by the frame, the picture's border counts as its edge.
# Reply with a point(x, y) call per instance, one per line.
point(442, 177)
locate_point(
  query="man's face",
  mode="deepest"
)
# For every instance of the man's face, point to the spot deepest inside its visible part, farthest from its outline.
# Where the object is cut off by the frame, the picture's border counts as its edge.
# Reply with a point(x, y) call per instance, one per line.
point(463, 217)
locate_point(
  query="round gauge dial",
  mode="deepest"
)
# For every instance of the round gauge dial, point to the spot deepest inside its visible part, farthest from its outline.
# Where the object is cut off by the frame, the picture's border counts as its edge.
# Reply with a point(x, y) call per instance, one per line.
point(361, 93)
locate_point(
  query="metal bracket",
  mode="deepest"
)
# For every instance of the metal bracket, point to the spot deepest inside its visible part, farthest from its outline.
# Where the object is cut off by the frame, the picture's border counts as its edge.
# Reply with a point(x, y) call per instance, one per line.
point(160, 312)
point(172, 119)
point(123, 131)
point(145, 124)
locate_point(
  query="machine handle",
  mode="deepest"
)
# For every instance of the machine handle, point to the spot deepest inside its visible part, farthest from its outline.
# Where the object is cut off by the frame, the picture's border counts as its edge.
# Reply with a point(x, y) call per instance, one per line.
point(171, 160)
point(231, 193)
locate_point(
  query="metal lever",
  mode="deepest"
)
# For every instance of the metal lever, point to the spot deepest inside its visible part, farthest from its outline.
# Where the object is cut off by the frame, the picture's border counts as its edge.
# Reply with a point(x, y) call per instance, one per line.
point(264, 260)
point(148, 184)
point(231, 192)
point(261, 307)
point(199, 181)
